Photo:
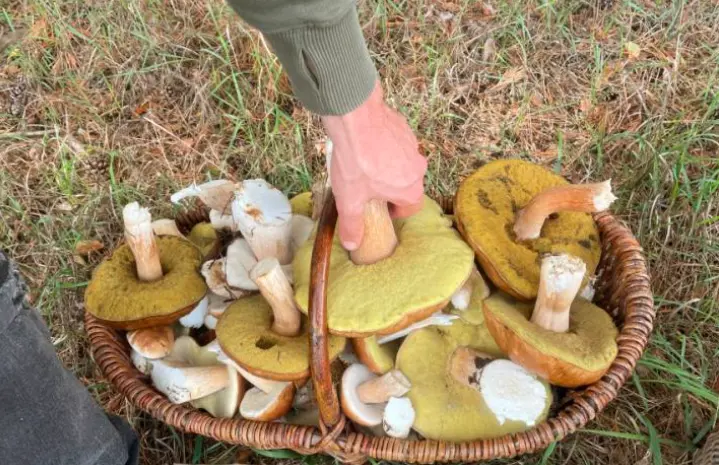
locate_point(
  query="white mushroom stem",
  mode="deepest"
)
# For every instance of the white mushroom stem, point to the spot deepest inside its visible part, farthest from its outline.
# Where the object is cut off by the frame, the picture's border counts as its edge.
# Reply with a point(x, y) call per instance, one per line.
point(380, 389)
point(559, 281)
point(152, 343)
point(276, 289)
point(512, 393)
point(166, 227)
point(436, 319)
point(587, 198)
point(463, 296)
point(142, 364)
point(263, 215)
point(141, 240)
point(380, 239)
point(215, 194)
point(302, 227)
point(265, 385)
point(220, 221)
point(196, 317)
point(182, 383)
point(398, 417)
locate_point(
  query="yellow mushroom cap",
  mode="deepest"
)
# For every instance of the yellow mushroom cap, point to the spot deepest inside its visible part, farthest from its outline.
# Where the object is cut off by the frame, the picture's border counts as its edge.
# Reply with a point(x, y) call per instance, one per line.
point(245, 335)
point(486, 205)
point(118, 298)
point(429, 264)
point(445, 408)
point(302, 204)
point(578, 357)
point(205, 237)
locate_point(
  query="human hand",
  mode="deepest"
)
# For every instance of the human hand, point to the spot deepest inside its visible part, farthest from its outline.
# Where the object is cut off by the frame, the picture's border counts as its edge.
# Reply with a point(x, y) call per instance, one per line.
point(375, 157)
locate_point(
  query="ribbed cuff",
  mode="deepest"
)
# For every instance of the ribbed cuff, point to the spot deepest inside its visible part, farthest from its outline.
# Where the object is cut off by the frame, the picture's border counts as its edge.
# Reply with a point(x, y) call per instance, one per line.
point(329, 66)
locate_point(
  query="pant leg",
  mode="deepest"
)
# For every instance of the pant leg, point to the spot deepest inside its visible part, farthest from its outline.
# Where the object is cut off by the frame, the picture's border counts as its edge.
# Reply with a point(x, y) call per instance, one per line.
point(46, 415)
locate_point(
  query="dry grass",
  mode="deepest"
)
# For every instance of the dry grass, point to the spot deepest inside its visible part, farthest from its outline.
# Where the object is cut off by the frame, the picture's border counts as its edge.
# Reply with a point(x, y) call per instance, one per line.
point(103, 102)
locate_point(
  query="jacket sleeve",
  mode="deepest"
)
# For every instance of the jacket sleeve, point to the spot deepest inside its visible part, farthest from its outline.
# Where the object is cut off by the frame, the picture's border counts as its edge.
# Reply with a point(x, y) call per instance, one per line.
point(321, 47)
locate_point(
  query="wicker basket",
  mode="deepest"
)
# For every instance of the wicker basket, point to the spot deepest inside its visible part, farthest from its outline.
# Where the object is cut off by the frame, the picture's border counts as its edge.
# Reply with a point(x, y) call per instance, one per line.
point(622, 289)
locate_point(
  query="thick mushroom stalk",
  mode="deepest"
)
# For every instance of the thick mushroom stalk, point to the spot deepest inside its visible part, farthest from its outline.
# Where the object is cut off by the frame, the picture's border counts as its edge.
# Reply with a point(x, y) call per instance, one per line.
point(380, 239)
point(141, 240)
point(398, 417)
point(587, 198)
point(559, 281)
point(379, 390)
point(276, 289)
point(181, 382)
point(264, 217)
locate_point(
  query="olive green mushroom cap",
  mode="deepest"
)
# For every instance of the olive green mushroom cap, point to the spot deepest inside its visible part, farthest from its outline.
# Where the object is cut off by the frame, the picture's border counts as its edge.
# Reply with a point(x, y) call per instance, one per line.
point(205, 238)
point(429, 264)
point(245, 335)
point(302, 204)
point(486, 205)
point(579, 356)
point(446, 409)
point(117, 297)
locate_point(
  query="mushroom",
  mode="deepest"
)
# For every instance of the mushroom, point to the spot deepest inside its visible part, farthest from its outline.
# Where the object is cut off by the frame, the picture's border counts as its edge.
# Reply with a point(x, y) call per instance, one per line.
point(564, 339)
point(215, 308)
point(265, 334)
point(302, 204)
point(511, 212)
point(379, 358)
point(205, 238)
point(217, 194)
point(430, 263)
point(142, 364)
point(259, 405)
point(263, 215)
point(149, 281)
point(364, 395)
point(152, 343)
point(398, 417)
point(196, 317)
point(445, 408)
point(220, 221)
point(215, 274)
point(219, 393)
point(509, 391)
point(469, 307)
point(435, 319)
point(166, 227)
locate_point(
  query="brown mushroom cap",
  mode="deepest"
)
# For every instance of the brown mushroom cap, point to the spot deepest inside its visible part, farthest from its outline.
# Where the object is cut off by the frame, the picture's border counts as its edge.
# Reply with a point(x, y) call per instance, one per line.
point(244, 331)
point(575, 358)
point(152, 343)
point(379, 358)
point(120, 300)
point(267, 406)
point(486, 205)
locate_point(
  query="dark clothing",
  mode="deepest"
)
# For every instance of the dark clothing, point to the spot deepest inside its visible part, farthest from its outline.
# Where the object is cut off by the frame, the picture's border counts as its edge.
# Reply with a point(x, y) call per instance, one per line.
point(47, 417)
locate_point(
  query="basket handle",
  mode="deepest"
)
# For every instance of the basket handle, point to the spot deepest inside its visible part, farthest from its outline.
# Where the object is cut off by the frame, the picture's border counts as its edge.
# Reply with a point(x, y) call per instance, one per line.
point(320, 361)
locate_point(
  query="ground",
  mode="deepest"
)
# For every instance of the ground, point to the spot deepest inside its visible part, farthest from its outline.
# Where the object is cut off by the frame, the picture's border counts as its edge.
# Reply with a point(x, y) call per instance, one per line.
point(103, 102)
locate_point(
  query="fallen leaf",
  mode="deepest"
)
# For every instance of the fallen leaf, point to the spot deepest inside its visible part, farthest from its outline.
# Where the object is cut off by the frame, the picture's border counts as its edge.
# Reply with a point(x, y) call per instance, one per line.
point(632, 50)
point(489, 51)
point(87, 247)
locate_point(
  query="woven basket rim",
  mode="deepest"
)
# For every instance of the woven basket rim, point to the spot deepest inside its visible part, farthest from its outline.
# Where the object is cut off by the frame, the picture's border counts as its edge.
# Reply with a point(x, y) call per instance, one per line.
point(631, 304)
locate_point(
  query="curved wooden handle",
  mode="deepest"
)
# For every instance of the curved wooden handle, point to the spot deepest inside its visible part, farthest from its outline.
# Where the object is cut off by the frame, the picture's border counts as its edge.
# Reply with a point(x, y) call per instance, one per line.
point(320, 361)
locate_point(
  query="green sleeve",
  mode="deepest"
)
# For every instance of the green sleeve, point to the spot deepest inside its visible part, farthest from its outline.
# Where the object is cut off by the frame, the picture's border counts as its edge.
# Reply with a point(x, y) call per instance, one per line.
point(321, 47)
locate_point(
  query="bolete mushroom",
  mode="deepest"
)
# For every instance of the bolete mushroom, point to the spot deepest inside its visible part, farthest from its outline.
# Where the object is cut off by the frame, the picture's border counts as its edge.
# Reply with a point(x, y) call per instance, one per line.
point(265, 333)
point(302, 204)
point(429, 264)
point(565, 339)
point(149, 281)
point(152, 343)
point(205, 238)
point(445, 407)
point(467, 302)
point(268, 405)
point(365, 398)
point(512, 211)
point(166, 227)
point(378, 358)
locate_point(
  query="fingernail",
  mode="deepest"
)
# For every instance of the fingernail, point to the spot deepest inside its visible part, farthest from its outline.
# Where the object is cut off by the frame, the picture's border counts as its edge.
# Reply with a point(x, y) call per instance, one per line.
point(350, 246)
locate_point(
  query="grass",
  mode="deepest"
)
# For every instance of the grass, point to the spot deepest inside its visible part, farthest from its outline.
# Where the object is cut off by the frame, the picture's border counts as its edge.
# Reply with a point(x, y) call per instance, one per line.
point(106, 102)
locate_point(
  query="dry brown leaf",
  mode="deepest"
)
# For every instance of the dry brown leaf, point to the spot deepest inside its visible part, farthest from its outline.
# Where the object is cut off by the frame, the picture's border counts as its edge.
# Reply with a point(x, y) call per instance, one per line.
point(87, 247)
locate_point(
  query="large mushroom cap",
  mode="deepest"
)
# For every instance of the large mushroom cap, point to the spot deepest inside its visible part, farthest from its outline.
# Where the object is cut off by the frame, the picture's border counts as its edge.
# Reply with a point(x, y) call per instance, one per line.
point(244, 331)
point(575, 358)
point(119, 299)
point(445, 408)
point(486, 207)
point(428, 265)
point(379, 358)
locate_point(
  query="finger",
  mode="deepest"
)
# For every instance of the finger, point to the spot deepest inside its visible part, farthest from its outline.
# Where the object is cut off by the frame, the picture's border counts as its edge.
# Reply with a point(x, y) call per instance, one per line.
point(410, 202)
point(404, 211)
point(351, 225)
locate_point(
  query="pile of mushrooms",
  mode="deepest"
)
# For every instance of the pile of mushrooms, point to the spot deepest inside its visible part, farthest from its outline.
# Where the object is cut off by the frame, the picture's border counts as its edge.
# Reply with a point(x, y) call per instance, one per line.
point(421, 344)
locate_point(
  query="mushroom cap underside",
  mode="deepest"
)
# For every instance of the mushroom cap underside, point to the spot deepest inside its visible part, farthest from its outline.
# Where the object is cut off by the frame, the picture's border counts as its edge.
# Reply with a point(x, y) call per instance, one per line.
point(117, 297)
point(429, 264)
point(486, 205)
point(447, 409)
point(245, 335)
point(575, 358)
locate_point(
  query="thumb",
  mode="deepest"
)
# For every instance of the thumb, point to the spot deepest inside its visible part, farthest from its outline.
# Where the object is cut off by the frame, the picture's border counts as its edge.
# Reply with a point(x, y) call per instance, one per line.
point(351, 225)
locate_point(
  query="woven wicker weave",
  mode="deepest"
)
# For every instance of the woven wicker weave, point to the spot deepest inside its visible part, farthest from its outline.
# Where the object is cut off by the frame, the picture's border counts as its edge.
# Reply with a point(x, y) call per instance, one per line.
point(622, 289)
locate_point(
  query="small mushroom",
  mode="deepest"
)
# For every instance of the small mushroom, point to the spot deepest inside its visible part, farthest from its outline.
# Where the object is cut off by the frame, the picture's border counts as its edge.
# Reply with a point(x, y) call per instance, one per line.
point(166, 227)
point(566, 340)
point(205, 238)
point(152, 343)
point(398, 417)
point(379, 358)
point(511, 212)
point(259, 405)
point(263, 215)
point(364, 395)
point(149, 281)
point(510, 392)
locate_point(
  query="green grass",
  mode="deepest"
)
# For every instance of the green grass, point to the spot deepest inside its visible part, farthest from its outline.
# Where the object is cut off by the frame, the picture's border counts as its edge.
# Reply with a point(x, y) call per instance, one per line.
point(103, 103)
